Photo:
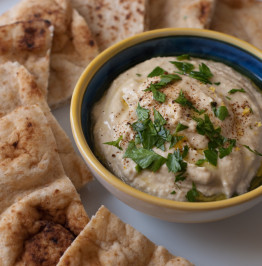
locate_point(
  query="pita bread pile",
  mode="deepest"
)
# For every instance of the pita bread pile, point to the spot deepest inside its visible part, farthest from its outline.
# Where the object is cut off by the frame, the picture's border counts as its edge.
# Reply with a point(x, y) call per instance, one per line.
point(240, 18)
point(106, 240)
point(112, 21)
point(180, 14)
point(73, 46)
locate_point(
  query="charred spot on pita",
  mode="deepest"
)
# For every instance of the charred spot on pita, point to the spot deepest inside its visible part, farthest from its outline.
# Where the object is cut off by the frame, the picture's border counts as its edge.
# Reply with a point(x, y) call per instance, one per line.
point(47, 246)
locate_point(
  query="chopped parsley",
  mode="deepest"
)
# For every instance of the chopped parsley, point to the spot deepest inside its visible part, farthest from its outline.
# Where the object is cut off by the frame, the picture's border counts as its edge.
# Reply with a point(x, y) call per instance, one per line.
point(144, 158)
point(165, 79)
point(184, 67)
point(204, 74)
point(182, 100)
point(142, 113)
point(228, 98)
point(139, 75)
point(216, 140)
point(176, 164)
point(180, 127)
point(156, 72)
point(211, 156)
point(221, 112)
point(217, 83)
point(183, 57)
point(200, 162)
point(236, 90)
point(194, 195)
point(115, 143)
point(151, 134)
point(254, 151)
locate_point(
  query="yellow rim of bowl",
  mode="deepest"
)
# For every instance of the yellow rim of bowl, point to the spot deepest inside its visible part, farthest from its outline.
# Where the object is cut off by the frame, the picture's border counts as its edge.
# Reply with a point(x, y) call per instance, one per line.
point(75, 118)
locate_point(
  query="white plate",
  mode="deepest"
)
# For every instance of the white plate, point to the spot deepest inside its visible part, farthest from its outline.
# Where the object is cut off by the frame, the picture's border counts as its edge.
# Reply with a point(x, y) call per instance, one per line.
point(236, 241)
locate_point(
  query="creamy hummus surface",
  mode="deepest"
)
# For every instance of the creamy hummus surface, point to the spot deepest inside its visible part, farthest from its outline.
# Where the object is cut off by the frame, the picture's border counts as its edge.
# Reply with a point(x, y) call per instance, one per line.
point(208, 142)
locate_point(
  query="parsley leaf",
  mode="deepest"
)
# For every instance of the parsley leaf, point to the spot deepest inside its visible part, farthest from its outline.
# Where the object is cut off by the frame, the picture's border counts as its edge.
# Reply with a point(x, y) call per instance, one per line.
point(204, 74)
point(180, 127)
point(158, 118)
point(182, 100)
point(175, 162)
point(192, 194)
point(185, 151)
point(142, 113)
point(144, 158)
point(236, 90)
point(139, 75)
point(175, 139)
point(156, 72)
point(183, 66)
point(200, 162)
point(211, 156)
point(165, 80)
point(183, 57)
point(226, 151)
point(217, 83)
point(115, 143)
point(221, 112)
point(158, 95)
point(254, 151)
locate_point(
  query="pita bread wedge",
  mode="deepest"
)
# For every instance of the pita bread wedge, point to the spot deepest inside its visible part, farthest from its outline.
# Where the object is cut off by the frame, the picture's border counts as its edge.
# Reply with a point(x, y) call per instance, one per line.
point(112, 21)
point(28, 43)
point(73, 46)
point(106, 240)
point(241, 19)
point(180, 14)
point(38, 229)
point(28, 154)
point(18, 88)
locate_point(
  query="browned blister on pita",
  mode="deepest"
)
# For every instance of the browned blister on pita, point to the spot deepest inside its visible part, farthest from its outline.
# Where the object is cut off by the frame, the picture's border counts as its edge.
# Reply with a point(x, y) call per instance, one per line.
point(18, 88)
point(38, 229)
point(241, 19)
point(112, 21)
point(73, 46)
point(106, 240)
point(28, 43)
point(180, 14)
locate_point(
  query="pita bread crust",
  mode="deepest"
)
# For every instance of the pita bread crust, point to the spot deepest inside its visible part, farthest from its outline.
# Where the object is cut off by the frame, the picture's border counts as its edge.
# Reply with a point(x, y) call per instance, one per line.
point(241, 19)
point(58, 203)
point(73, 45)
point(28, 43)
point(18, 88)
point(106, 240)
point(181, 14)
point(110, 24)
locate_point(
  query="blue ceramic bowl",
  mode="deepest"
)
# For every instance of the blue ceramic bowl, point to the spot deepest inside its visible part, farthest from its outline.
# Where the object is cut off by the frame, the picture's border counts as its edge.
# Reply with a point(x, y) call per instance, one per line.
point(98, 76)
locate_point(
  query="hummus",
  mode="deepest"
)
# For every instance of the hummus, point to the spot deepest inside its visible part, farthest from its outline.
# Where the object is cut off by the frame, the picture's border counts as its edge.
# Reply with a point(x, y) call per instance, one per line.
point(221, 160)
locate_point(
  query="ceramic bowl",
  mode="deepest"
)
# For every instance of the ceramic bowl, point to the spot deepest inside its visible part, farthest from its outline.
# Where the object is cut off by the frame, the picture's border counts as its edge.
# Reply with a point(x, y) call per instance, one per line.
point(108, 65)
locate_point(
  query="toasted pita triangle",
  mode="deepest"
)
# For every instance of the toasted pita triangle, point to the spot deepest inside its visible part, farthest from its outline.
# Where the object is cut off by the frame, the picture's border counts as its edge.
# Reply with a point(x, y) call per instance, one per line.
point(241, 19)
point(18, 88)
point(28, 43)
point(180, 14)
point(73, 46)
point(37, 229)
point(112, 21)
point(106, 240)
